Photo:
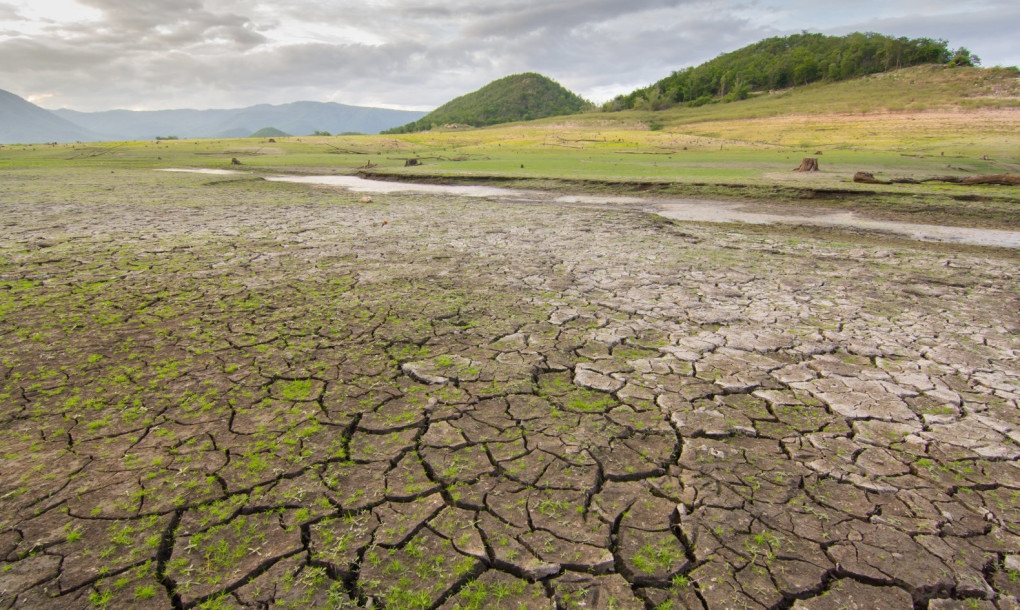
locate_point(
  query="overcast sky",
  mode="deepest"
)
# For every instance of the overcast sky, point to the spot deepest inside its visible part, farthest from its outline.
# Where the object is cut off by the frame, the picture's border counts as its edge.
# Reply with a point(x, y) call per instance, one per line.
point(417, 54)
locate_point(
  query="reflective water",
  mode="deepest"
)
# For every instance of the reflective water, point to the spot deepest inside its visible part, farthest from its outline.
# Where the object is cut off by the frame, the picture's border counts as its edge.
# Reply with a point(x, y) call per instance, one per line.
point(677, 209)
point(361, 185)
point(715, 211)
point(220, 172)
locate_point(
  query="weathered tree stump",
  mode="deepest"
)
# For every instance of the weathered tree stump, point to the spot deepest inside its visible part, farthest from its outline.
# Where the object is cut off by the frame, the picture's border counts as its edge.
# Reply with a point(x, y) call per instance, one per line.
point(809, 164)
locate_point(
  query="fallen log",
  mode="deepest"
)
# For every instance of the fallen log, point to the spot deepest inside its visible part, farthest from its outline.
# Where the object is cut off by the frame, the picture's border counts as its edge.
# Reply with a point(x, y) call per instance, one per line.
point(343, 151)
point(580, 139)
point(867, 178)
point(1001, 179)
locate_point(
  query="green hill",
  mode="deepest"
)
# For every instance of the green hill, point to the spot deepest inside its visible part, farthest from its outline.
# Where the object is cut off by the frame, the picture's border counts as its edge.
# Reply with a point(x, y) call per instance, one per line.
point(779, 63)
point(926, 88)
point(269, 132)
point(520, 97)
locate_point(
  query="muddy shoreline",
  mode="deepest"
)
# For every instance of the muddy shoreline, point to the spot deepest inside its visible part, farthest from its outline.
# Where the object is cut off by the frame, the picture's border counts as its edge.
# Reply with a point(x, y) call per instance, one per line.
point(687, 209)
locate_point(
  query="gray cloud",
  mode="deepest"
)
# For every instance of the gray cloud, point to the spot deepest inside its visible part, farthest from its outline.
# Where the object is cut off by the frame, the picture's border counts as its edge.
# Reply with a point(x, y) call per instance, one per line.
point(421, 53)
point(9, 12)
point(153, 25)
point(989, 31)
point(531, 17)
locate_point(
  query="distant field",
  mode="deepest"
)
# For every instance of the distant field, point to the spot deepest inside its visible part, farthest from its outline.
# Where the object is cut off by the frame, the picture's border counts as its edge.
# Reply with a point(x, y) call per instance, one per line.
point(915, 123)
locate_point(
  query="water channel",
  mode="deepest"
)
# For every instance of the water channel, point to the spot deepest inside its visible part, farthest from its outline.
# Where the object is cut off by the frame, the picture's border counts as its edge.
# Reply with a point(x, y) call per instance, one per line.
point(676, 209)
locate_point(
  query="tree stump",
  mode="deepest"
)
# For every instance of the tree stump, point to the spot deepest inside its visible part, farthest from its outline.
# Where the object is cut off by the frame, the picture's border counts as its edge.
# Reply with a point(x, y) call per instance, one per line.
point(809, 164)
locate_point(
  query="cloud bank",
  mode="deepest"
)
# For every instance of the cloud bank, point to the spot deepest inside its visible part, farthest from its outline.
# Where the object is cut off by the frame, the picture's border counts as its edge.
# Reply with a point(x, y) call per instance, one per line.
point(417, 54)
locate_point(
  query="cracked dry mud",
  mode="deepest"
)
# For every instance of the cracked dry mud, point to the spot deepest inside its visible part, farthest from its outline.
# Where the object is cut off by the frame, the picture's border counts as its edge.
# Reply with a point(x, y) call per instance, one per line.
point(247, 395)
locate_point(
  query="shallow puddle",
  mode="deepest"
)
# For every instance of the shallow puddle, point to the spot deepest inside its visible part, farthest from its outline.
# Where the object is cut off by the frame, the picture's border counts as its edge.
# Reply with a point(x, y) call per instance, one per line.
point(361, 185)
point(218, 172)
point(676, 209)
point(716, 211)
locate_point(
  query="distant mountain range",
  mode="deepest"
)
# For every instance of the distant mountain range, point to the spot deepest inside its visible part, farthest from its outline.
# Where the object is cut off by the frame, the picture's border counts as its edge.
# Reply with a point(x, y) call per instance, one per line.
point(24, 122)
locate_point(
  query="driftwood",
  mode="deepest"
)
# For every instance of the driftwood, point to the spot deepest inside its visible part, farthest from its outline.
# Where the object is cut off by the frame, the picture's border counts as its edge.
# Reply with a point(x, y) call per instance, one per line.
point(868, 179)
point(343, 151)
point(1003, 179)
point(581, 139)
point(809, 164)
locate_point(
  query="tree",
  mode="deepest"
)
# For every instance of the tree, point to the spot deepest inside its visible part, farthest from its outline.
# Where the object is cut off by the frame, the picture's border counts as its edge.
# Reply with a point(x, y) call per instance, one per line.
point(776, 63)
point(963, 57)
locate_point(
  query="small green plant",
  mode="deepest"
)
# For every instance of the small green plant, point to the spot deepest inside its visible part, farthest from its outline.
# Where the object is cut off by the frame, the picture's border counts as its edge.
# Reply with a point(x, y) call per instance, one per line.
point(145, 592)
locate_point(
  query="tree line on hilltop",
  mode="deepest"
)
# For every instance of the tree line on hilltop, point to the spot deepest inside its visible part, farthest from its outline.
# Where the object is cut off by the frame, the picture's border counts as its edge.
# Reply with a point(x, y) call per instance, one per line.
point(781, 62)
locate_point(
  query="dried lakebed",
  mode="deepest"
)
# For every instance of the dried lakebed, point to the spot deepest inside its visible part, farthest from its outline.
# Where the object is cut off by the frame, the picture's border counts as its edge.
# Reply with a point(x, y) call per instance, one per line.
point(684, 209)
point(247, 394)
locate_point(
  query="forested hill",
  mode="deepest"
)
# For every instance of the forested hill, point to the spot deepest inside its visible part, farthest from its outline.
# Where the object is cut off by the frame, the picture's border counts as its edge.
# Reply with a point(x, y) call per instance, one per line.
point(520, 97)
point(776, 63)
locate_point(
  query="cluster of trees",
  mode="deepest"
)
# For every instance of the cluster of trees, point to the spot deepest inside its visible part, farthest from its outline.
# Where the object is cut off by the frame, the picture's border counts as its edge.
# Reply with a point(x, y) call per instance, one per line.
point(777, 63)
point(520, 97)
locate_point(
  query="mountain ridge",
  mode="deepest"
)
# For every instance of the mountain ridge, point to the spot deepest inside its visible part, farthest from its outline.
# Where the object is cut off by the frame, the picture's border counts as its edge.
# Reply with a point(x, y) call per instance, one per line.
point(299, 118)
point(21, 121)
